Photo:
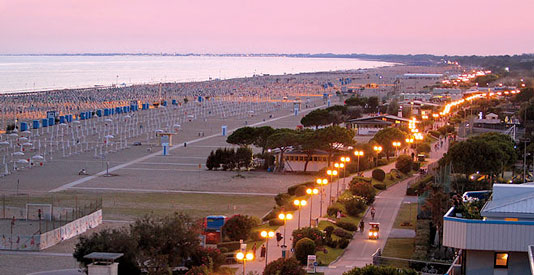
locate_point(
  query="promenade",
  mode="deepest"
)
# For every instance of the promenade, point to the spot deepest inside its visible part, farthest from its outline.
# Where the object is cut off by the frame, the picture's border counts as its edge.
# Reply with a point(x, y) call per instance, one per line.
point(360, 249)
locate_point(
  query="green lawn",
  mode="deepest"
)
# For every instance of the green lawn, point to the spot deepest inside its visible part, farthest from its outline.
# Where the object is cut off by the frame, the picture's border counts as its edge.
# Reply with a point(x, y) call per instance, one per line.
point(330, 256)
point(399, 248)
point(407, 214)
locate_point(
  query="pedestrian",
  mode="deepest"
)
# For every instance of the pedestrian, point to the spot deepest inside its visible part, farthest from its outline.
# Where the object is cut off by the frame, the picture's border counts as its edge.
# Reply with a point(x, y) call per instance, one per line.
point(373, 211)
point(262, 251)
point(362, 225)
point(278, 238)
point(254, 250)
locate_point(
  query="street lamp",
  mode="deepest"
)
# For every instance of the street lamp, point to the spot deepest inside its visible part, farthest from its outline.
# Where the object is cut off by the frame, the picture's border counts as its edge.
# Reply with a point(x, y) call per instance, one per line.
point(267, 235)
point(331, 173)
point(299, 204)
point(248, 256)
point(358, 154)
point(396, 144)
point(338, 166)
point(321, 182)
point(285, 217)
point(311, 192)
point(377, 149)
point(344, 160)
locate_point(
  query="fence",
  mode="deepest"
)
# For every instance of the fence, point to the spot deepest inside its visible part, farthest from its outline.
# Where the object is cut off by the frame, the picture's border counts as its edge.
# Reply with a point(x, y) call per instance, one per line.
point(425, 267)
point(29, 214)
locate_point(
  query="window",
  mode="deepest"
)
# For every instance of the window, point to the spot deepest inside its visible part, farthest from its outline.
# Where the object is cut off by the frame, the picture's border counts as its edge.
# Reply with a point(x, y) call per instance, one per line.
point(501, 260)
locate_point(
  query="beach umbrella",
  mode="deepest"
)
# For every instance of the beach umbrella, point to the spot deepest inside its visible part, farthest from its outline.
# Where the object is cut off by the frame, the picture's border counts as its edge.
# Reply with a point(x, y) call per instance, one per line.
point(19, 153)
point(38, 157)
point(4, 143)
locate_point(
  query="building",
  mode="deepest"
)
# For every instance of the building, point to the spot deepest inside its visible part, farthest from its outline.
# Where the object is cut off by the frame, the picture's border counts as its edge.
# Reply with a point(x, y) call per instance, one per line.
point(499, 242)
point(295, 161)
point(370, 125)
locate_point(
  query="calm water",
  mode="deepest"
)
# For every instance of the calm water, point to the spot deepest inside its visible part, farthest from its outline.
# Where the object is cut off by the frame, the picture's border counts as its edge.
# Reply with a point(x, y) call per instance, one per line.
point(30, 73)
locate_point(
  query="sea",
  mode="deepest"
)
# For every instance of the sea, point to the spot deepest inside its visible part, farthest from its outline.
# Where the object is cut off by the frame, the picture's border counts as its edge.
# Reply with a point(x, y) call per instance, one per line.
point(26, 73)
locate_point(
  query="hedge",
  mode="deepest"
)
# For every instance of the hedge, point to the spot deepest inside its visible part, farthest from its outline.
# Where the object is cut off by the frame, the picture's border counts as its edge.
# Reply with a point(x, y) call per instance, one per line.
point(347, 226)
point(379, 174)
point(230, 246)
point(342, 233)
point(380, 186)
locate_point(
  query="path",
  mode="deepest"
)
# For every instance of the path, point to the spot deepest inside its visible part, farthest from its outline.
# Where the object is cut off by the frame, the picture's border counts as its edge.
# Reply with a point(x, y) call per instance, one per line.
point(275, 252)
point(387, 203)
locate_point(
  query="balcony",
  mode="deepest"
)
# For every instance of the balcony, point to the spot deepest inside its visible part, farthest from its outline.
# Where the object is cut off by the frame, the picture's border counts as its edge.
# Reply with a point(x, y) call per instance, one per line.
point(491, 235)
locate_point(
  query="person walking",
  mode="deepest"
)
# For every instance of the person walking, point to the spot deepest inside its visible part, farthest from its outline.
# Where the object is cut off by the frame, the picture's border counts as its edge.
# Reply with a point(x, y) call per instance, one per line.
point(373, 212)
point(362, 225)
point(254, 250)
point(278, 238)
point(262, 251)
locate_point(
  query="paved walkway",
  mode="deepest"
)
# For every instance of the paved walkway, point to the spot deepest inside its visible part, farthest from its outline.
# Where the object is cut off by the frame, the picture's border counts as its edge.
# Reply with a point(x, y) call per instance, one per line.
point(387, 204)
point(274, 251)
point(359, 252)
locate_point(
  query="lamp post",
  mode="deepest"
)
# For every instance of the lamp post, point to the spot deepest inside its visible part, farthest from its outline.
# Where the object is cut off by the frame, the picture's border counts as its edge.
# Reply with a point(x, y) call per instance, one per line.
point(377, 149)
point(311, 192)
point(344, 160)
point(267, 235)
point(396, 144)
point(331, 173)
point(285, 217)
point(248, 256)
point(358, 154)
point(321, 182)
point(299, 204)
point(338, 166)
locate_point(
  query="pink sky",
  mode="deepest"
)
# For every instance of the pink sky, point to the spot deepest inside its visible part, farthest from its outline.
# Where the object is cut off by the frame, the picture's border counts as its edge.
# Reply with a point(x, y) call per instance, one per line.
point(462, 27)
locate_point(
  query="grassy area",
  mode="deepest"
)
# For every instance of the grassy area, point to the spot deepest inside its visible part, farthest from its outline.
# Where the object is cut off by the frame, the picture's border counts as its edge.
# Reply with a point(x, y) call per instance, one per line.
point(330, 255)
point(130, 205)
point(407, 216)
point(399, 248)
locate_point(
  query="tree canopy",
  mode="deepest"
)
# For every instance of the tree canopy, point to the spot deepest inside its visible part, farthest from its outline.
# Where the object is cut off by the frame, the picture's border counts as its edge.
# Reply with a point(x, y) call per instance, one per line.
point(387, 136)
point(334, 138)
point(316, 118)
point(489, 154)
point(243, 136)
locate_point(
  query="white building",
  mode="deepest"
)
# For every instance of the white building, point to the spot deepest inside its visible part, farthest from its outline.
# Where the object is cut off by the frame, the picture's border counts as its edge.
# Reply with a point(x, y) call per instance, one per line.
point(295, 161)
point(499, 242)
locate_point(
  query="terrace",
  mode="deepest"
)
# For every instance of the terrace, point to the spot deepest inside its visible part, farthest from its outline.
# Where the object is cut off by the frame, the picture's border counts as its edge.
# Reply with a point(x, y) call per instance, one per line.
point(501, 225)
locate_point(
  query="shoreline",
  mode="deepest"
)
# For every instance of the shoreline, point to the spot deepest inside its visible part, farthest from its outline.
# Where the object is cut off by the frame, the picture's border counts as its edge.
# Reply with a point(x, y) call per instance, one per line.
point(245, 75)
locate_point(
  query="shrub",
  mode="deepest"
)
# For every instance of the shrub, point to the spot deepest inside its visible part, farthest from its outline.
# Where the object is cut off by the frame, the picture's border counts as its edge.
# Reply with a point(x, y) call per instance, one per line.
point(332, 210)
point(416, 166)
point(313, 234)
point(292, 189)
point(276, 222)
point(331, 243)
point(282, 199)
point(328, 231)
point(378, 270)
point(303, 248)
point(289, 266)
point(343, 243)
point(355, 205)
point(379, 174)
point(434, 133)
point(423, 148)
point(404, 164)
point(342, 233)
point(301, 190)
point(365, 190)
point(211, 257)
point(380, 186)
point(229, 246)
point(243, 157)
point(239, 227)
point(347, 226)
point(381, 162)
point(198, 270)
